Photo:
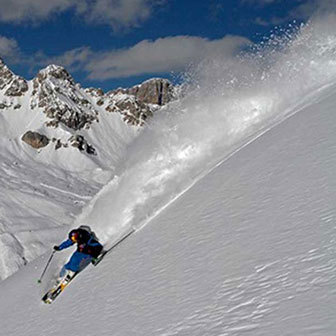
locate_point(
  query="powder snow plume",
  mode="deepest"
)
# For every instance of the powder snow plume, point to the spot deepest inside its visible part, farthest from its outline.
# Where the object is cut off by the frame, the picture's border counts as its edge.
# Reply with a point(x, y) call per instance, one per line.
point(229, 103)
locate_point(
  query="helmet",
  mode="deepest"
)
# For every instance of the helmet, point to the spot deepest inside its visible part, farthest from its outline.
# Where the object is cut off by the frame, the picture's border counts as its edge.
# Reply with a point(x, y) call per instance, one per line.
point(74, 236)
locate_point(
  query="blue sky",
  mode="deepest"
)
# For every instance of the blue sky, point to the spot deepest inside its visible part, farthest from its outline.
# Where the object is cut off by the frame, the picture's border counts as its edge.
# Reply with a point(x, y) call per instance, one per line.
point(112, 43)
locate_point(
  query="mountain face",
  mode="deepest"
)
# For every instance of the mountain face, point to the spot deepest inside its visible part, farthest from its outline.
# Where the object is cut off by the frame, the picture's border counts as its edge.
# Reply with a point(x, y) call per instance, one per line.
point(64, 103)
point(60, 144)
point(11, 86)
point(138, 103)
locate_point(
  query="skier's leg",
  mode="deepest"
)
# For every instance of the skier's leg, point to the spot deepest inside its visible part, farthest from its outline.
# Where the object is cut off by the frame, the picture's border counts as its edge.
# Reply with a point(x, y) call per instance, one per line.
point(78, 262)
point(64, 273)
point(86, 259)
point(74, 261)
point(70, 267)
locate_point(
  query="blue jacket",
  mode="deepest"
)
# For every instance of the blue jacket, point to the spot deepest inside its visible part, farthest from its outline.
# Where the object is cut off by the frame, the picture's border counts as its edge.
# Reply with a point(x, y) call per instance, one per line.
point(86, 243)
point(66, 244)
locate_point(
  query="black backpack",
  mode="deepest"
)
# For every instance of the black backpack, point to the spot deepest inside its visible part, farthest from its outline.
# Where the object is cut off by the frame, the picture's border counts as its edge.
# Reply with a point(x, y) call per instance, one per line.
point(93, 247)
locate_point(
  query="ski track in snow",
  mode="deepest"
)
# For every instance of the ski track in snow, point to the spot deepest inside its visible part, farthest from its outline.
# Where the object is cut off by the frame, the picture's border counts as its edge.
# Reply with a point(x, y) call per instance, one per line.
point(65, 192)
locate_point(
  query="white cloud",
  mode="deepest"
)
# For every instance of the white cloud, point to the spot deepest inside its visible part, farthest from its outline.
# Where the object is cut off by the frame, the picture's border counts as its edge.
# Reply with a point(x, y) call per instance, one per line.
point(163, 55)
point(8, 48)
point(127, 13)
point(313, 7)
point(73, 59)
point(116, 13)
point(31, 10)
point(149, 57)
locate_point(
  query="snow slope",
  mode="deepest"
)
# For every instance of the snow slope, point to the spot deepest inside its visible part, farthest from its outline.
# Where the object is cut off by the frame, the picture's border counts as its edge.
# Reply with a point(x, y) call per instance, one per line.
point(249, 249)
point(234, 216)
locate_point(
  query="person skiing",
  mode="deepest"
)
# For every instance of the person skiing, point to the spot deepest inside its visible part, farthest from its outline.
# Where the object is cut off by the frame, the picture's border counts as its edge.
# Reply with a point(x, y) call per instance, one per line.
point(88, 249)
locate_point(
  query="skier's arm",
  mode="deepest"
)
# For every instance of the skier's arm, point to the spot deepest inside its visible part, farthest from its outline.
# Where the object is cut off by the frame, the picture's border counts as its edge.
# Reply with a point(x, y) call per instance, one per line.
point(65, 244)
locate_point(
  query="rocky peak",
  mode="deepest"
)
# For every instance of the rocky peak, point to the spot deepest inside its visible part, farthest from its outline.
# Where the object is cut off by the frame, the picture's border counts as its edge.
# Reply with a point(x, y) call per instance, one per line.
point(62, 100)
point(5, 75)
point(138, 103)
point(53, 72)
point(11, 84)
point(157, 91)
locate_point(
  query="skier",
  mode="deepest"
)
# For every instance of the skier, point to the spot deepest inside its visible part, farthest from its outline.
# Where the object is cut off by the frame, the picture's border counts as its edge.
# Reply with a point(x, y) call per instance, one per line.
point(88, 249)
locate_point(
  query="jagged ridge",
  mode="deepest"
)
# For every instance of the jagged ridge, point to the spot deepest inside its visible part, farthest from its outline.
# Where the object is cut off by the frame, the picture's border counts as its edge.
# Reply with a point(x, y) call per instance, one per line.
point(64, 102)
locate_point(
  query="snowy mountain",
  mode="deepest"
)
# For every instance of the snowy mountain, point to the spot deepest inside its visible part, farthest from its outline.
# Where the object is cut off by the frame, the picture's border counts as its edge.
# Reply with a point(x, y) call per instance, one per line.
point(249, 249)
point(60, 144)
point(231, 193)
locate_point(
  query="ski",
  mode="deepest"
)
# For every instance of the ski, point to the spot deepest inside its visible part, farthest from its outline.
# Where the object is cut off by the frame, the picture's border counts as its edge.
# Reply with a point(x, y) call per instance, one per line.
point(55, 291)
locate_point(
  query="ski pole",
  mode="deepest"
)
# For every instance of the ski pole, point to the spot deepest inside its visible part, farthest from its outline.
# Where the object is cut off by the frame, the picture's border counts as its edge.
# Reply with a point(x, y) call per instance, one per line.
point(52, 254)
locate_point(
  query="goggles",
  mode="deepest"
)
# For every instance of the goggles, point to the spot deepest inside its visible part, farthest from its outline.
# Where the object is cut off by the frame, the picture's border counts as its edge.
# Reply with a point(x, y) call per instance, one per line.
point(74, 237)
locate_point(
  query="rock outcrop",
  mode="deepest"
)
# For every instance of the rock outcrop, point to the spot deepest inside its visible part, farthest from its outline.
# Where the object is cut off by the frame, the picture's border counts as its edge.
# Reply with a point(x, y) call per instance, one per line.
point(11, 87)
point(6, 75)
point(133, 111)
point(157, 91)
point(140, 102)
point(35, 139)
point(79, 142)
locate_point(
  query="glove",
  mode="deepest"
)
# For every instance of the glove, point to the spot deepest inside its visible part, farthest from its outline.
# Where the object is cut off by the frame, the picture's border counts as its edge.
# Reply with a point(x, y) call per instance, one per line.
point(56, 248)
